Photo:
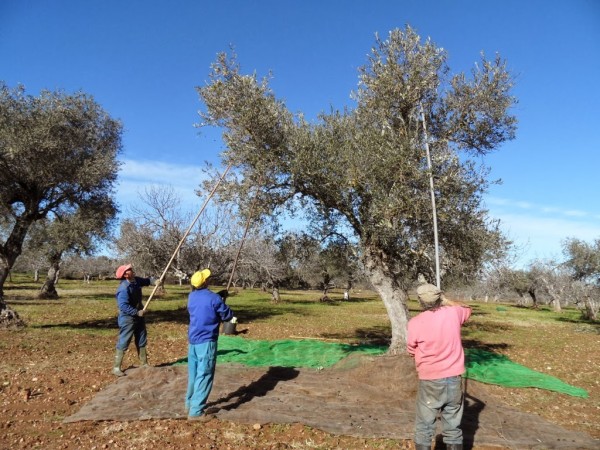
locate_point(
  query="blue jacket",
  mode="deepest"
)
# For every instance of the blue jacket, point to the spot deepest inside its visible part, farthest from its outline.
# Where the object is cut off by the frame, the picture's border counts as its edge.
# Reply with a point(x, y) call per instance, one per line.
point(207, 310)
point(129, 296)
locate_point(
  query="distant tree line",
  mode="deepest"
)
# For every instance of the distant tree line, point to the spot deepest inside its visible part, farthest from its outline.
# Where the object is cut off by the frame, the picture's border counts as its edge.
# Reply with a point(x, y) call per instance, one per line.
point(148, 237)
point(297, 260)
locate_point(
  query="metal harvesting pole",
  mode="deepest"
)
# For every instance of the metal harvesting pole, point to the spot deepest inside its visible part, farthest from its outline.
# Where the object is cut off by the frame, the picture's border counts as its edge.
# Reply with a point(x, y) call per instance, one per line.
point(435, 229)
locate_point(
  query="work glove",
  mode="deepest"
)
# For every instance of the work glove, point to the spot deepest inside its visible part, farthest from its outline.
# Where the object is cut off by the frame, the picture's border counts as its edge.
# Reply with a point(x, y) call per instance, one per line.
point(141, 313)
point(154, 281)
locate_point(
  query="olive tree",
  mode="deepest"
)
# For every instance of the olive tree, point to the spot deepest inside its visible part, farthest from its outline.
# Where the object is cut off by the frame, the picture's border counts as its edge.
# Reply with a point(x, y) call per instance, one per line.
point(154, 229)
point(88, 268)
point(362, 172)
point(524, 282)
point(58, 157)
point(583, 259)
point(76, 233)
point(583, 265)
point(259, 261)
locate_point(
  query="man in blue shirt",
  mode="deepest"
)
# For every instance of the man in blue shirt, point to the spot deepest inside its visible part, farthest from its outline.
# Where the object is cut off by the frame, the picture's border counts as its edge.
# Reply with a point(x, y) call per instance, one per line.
point(131, 316)
point(207, 310)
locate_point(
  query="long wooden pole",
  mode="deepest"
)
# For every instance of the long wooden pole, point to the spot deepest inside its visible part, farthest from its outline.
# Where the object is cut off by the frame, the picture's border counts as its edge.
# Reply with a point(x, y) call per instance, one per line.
point(160, 280)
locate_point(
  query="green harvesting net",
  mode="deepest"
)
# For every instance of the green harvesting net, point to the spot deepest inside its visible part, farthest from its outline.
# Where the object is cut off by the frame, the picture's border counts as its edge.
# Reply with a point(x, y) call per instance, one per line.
point(483, 366)
point(287, 352)
point(493, 368)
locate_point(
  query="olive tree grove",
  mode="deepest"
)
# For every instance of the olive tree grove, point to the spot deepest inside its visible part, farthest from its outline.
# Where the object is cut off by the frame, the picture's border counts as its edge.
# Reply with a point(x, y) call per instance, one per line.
point(58, 159)
point(362, 173)
point(153, 230)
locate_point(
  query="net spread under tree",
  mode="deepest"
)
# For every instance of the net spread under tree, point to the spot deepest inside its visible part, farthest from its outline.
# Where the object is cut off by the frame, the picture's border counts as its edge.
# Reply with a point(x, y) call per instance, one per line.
point(362, 172)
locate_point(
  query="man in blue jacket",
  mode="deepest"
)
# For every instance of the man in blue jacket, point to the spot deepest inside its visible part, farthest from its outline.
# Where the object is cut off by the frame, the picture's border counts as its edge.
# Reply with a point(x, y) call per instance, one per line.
point(131, 316)
point(207, 310)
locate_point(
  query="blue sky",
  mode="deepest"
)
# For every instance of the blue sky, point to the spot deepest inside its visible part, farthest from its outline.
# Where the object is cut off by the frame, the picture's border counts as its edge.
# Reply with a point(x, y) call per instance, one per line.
point(141, 60)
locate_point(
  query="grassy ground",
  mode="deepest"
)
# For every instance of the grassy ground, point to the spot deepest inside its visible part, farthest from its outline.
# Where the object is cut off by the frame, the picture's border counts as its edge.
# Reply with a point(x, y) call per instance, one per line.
point(63, 358)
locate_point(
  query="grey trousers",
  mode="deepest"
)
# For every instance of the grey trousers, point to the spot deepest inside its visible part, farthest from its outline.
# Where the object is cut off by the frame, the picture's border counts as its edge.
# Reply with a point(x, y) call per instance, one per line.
point(443, 396)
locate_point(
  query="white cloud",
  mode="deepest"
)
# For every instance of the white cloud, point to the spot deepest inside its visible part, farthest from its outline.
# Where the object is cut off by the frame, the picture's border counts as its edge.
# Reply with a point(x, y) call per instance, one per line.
point(540, 230)
point(550, 209)
point(575, 213)
point(524, 205)
point(161, 173)
point(534, 208)
point(137, 176)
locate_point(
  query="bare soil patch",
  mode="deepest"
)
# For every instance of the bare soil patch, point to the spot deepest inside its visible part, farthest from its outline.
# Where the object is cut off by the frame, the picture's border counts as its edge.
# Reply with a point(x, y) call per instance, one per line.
point(59, 366)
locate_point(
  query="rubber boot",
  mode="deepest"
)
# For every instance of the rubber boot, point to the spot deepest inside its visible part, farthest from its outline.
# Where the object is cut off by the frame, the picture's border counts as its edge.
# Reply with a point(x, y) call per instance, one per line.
point(143, 356)
point(454, 447)
point(117, 367)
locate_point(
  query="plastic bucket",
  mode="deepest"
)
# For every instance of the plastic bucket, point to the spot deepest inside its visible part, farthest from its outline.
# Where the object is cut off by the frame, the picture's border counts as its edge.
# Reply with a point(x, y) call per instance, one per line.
point(229, 327)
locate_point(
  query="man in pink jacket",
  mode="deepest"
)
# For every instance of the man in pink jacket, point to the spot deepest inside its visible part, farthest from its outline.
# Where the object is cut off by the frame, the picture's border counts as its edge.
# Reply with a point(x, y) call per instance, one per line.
point(435, 343)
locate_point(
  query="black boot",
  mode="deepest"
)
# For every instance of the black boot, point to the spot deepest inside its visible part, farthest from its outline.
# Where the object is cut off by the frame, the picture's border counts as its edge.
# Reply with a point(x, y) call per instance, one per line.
point(454, 447)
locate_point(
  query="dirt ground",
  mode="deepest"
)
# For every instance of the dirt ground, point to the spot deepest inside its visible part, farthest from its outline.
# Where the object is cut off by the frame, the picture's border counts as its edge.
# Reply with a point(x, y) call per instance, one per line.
point(64, 397)
point(365, 397)
point(57, 392)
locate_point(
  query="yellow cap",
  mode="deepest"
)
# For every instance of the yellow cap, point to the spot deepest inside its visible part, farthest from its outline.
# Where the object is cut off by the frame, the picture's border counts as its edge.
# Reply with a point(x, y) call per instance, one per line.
point(200, 277)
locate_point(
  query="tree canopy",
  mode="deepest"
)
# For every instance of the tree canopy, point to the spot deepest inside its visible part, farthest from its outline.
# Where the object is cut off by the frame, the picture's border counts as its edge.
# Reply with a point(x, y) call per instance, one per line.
point(583, 259)
point(58, 161)
point(363, 172)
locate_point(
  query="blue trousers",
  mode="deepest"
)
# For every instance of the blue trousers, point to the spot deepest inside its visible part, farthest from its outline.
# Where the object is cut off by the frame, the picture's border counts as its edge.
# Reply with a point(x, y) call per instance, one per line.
point(129, 327)
point(443, 396)
point(202, 360)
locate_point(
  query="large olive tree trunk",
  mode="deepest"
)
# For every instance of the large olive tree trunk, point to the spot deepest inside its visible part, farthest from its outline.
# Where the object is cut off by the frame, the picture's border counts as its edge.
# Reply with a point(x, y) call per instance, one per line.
point(4, 271)
point(555, 291)
point(275, 297)
point(394, 298)
point(590, 309)
point(8, 254)
point(48, 290)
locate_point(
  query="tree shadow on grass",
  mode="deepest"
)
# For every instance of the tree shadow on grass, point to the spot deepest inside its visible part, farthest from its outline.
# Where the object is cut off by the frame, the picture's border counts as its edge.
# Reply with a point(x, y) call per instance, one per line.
point(177, 316)
point(478, 345)
point(378, 335)
point(359, 300)
point(34, 302)
point(487, 327)
point(246, 314)
point(22, 287)
point(61, 300)
point(307, 302)
point(85, 325)
point(585, 323)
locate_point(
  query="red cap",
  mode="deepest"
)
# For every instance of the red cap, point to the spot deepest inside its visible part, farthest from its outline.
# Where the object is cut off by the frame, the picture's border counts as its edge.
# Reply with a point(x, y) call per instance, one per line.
point(122, 269)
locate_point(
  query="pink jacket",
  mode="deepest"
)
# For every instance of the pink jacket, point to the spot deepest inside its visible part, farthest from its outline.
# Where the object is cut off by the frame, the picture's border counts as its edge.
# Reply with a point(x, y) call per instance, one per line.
point(434, 340)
